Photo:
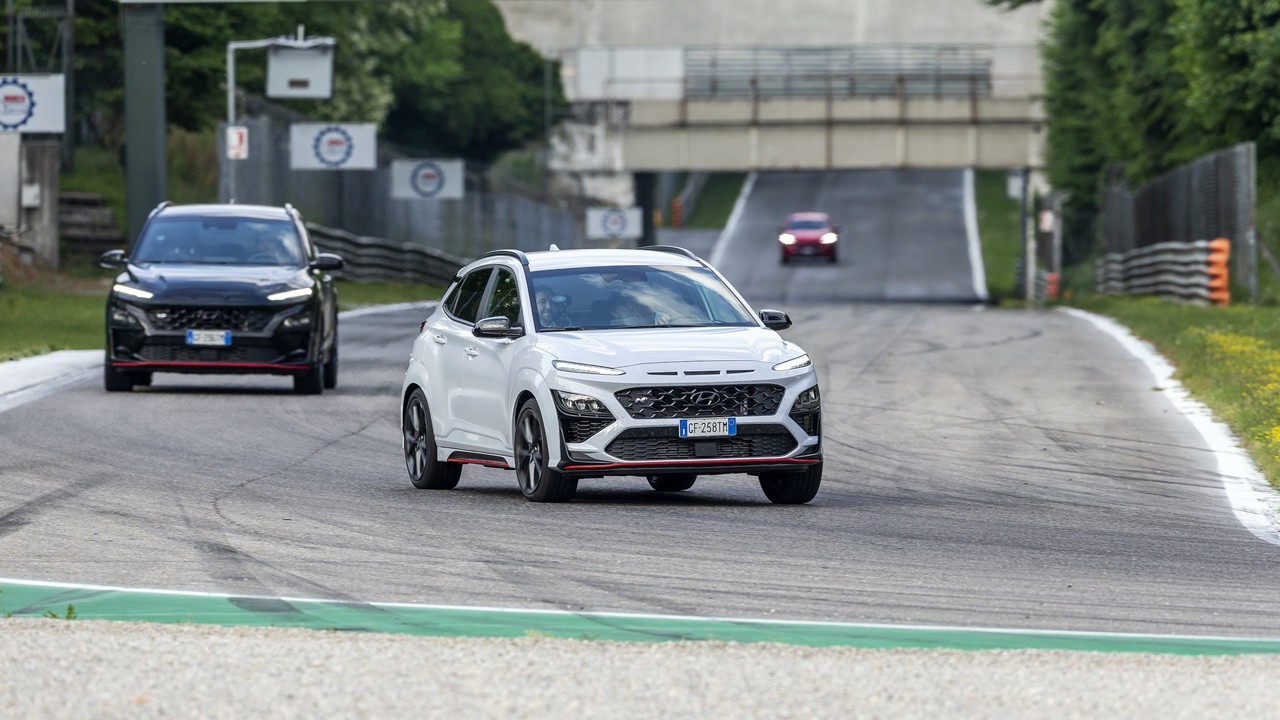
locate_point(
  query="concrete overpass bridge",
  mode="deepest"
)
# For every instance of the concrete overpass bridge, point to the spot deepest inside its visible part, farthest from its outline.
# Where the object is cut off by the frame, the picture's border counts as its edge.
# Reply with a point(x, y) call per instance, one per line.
point(641, 109)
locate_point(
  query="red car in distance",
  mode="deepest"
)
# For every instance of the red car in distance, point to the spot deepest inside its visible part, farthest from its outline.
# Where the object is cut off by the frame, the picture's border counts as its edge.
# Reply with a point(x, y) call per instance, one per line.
point(808, 234)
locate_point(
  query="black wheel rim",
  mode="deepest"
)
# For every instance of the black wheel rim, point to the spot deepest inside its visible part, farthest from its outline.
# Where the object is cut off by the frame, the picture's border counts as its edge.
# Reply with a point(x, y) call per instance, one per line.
point(529, 455)
point(416, 443)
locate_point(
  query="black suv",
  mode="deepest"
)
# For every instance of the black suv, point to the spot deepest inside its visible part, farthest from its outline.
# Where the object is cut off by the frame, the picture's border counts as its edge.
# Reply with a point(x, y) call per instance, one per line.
point(222, 289)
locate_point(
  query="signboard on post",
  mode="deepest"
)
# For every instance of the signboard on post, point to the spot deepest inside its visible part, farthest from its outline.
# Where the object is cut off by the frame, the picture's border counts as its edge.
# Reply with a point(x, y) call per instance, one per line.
point(614, 223)
point(430, 179)
point(333, 146)
point(237, 142)
point(32, 104)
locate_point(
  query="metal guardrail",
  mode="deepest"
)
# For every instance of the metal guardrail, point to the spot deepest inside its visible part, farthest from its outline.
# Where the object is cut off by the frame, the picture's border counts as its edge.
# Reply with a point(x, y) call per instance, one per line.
point(370, 258)
point(1195, 271)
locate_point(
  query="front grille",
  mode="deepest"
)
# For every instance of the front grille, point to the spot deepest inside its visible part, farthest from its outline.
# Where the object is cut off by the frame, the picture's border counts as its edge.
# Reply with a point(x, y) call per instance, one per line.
point(578, 429)
point(195, 318)
point(639, 444)
point(184, 353)
point(691, 401)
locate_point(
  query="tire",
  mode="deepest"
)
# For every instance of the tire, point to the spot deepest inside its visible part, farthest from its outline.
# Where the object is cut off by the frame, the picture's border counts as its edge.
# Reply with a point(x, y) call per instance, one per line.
point(832, 258)
point(795, 488)
point(310, 382)
point(425, 471)
point(116, 381)
point(142, 379)
point(538, 481)
point(672, 483)
point(331, 367)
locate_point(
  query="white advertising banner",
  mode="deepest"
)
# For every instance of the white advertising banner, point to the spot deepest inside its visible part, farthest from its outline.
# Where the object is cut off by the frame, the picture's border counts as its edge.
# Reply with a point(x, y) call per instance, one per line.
point(333, 146)
point(616, 223)
point(32, 104)
point(432, 179)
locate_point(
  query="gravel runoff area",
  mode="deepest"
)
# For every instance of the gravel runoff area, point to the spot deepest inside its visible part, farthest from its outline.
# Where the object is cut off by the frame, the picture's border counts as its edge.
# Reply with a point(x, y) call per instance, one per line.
point(98, 669)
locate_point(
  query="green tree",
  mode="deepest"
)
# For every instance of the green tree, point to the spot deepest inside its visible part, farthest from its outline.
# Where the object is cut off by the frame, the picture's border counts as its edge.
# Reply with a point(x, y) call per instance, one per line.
point(494, 104)
point(1230, 54)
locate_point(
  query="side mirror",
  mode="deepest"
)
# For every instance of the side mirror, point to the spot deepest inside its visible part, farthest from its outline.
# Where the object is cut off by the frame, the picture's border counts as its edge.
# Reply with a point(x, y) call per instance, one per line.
point(113, 260)
point(328, 261)
point(496, 327)
point(775, 319)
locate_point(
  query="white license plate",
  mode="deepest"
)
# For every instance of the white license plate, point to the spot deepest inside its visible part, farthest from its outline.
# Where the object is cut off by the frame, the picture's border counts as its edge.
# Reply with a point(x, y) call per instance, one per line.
point(709, 427)
point(209, 337)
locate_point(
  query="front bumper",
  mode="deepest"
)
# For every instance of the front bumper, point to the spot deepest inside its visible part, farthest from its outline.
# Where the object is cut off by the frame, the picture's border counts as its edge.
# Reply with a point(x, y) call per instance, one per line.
point(805, 248)
point(264, 339)
point(643, 439)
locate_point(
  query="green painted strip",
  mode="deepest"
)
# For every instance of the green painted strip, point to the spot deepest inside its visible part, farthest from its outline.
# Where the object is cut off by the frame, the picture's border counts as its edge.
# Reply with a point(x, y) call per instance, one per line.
point(31, 600)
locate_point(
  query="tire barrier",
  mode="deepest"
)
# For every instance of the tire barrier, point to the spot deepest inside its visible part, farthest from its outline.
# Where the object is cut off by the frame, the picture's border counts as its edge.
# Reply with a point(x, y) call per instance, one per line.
point(370, 258)
point(1194, 271)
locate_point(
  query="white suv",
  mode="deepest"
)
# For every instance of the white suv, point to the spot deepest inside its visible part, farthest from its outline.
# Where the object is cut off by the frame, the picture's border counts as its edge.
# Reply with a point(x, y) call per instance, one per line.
point(575, 364)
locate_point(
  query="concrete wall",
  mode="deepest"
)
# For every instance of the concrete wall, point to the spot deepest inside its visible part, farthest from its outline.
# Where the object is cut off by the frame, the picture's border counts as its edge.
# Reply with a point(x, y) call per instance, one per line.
point(555, 25)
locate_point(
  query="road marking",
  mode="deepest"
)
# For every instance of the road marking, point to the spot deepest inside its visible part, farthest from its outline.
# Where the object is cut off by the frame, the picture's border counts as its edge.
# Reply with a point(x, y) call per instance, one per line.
point(31, 598)
point(1255, 504)
point(718, 250)
point(975, 244)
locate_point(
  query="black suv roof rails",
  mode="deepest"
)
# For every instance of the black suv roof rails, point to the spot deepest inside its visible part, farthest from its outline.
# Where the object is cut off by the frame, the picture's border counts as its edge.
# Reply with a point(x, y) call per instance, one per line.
point(674, 250)
point(524, 259)
point(159, 207)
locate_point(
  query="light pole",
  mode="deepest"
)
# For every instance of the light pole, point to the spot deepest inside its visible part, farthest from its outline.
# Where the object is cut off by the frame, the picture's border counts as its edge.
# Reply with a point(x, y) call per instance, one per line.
point(295, 43)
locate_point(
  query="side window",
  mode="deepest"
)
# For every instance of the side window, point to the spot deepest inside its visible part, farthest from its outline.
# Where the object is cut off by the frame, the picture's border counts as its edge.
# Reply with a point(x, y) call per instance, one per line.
point(505, 299)
point(466, 301)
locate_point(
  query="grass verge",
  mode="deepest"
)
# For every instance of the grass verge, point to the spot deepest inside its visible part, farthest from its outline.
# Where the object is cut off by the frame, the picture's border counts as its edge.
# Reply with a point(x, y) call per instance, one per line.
point(353, 295)
point(715, 202)
point(36, 320)
point(999, 222)
point(1228, 358)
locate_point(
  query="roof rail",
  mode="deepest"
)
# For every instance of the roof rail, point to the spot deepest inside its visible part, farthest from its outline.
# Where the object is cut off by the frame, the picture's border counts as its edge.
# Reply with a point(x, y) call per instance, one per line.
point(524, 259)
point(674, 250)
point(159, 207)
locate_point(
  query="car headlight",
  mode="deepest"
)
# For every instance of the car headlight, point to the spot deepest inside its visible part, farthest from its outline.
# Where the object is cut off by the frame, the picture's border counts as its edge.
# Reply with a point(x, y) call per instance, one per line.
point(585, 369)
point(807, 401)
point(121, 316)
point(132, 291)
point(579, 404)
point(290, 294)
point(787, 239)
point(297, 320)
point(828, 238)
point(794, 363)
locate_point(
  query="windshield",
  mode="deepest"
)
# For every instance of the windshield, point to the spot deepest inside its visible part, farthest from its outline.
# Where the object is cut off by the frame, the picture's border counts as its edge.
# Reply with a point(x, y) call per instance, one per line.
point(220, 241)
point(806, 225)
point(640, 296)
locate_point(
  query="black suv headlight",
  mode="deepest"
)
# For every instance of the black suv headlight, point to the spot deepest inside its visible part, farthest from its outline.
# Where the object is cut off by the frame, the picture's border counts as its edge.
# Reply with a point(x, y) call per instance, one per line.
point(299, 320)
point(807, 401)
point(121, 317)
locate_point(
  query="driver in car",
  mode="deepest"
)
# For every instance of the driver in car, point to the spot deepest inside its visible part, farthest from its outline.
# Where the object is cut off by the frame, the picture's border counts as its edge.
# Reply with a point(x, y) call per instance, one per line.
point(551, 308)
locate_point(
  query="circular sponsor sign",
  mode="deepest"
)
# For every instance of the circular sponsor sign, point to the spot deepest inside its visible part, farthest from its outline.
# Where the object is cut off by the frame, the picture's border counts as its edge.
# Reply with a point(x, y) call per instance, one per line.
point(614, 222)
point(16, 103)
point(427, 179)
point(333, 146)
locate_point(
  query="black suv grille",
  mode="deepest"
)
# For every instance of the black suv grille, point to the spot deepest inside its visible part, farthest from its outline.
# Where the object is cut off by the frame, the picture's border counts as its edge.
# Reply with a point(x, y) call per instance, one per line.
point(639, 444)
point(189, 318)
point(184, 353)
point(646, 403)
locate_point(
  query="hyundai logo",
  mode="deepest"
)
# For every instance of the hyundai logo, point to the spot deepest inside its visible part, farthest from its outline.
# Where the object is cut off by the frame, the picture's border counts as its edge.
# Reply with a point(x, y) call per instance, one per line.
point(705, 398)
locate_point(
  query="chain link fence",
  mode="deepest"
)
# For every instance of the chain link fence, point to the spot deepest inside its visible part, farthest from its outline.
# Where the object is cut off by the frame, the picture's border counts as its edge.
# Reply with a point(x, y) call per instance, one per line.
point(1211, 197)
point(359, 202)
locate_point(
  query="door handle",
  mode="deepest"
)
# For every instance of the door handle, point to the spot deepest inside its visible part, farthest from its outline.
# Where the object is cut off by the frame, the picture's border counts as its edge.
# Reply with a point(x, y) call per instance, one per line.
point(472, 352)
point(439, 339)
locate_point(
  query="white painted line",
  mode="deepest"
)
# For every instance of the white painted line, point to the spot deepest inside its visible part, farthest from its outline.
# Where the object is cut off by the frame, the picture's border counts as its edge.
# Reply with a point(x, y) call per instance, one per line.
point(718, 250)
point(971, 231)
point(634, 616)
point(1255, 503)
point(27, 379)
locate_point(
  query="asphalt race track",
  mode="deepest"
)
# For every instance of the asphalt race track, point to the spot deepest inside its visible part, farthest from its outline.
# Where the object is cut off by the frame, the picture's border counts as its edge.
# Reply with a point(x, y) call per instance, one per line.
point(985, 468)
